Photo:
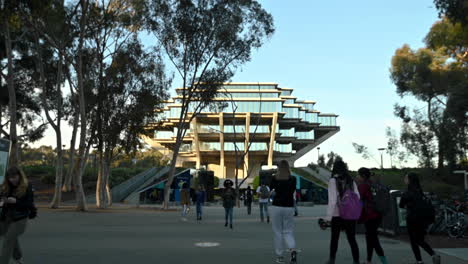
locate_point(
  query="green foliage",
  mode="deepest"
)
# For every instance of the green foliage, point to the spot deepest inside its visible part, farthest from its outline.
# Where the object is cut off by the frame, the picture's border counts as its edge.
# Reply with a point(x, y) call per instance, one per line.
point(38, 170)
point(256, 182)
point(430, 181)
point(455, 10)
point(321, 161)
point(435, 75)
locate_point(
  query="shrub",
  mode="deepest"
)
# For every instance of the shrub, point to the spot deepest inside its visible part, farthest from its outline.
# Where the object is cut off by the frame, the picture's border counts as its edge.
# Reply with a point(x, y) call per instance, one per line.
point(48, 179)
point(38, 170)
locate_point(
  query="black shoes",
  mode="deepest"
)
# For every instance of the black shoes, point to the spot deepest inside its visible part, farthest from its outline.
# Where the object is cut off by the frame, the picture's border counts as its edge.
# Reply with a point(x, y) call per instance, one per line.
point(268, 219)
point(230, 226)
point(293, 257)
point(225, 225)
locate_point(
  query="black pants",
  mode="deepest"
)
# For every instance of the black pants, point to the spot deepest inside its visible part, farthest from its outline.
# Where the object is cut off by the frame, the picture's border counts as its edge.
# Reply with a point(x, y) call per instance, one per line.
point(417, 233)
point(372, 238)
point(338, 224)
point(249, 207)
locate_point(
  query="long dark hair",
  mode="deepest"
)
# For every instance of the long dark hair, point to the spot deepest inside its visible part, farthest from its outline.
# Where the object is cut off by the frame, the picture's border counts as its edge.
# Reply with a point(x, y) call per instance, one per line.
point(340, 172)
point(413, 183)
point(20, 190)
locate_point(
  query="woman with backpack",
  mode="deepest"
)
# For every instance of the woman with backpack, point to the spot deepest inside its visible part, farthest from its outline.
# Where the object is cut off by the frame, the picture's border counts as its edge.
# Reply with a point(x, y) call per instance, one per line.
point(282, 212)
point(344, 209)
point(370, 216)
point(229, 200)
point(17, 202)
point(264, 195)
point(418, 208)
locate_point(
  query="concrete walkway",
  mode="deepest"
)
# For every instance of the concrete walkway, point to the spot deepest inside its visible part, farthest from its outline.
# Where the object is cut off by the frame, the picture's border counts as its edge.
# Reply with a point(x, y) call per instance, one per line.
point(147, 236)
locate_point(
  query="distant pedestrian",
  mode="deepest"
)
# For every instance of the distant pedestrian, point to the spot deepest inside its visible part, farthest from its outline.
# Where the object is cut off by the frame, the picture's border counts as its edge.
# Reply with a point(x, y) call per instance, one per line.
point(342, 190)
point(248, 200)
point(185, 199)
point(264, 194)
point(418, 217)
point(200, 201)
point(229, 200)
point(282, 211)
point(371, 217)
point(17, 202)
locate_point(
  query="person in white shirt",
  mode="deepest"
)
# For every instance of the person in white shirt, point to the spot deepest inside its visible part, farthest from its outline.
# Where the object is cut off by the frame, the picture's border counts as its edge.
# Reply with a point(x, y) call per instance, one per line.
point(337, 186)
point(264, 194)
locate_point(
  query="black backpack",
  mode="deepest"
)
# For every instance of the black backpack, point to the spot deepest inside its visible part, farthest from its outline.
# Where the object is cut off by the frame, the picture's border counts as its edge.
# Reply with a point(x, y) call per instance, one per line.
point(381, 198)
point(423, 210)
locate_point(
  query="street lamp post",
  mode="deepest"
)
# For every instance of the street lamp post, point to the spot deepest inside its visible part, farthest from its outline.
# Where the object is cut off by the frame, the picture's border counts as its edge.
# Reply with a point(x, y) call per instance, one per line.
point(381, 157)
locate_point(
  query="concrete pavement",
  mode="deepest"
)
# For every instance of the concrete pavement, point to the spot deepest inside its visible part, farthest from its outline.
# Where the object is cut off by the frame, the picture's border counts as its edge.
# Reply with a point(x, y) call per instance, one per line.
point(148, 236)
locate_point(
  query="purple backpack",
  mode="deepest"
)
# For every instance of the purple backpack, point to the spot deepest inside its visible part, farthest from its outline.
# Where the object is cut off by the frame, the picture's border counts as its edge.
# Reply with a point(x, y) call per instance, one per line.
point(350, 206)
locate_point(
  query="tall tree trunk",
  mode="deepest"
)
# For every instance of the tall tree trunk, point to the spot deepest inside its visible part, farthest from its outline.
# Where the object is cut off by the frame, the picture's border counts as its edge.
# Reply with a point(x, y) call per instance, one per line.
point(170, 179)
point(56, 200)
point(100, 190)
point(106, 188)
point(78, 181)
point(14, 153)
point(67, 185)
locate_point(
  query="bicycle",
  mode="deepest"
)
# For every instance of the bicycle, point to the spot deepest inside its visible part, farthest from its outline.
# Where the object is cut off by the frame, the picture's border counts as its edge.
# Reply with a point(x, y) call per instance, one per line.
point(458, 227)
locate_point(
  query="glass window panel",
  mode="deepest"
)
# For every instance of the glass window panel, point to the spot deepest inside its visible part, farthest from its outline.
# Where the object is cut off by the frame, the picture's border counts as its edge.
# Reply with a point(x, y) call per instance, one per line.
point(305, 135)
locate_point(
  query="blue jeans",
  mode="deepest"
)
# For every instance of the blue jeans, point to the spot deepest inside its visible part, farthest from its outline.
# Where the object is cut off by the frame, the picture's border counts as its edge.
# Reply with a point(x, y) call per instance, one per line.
point(199, 210)
point(228, 213)
point(264, 207)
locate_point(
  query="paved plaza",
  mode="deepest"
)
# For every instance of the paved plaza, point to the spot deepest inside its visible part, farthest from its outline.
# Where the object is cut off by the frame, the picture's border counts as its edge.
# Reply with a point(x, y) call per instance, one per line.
point(147, 236)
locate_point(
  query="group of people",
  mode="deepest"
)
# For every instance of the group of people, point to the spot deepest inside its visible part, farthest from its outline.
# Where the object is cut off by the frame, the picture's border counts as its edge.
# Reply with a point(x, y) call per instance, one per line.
point(353, 201)
point(350, 201)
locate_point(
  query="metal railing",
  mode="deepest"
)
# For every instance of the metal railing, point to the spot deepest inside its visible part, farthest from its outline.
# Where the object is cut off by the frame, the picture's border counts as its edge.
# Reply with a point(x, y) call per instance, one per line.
point(123, 190)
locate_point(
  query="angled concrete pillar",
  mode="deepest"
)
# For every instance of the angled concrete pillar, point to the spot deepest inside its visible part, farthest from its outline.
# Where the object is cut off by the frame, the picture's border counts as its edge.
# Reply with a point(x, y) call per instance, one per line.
point(274, 123)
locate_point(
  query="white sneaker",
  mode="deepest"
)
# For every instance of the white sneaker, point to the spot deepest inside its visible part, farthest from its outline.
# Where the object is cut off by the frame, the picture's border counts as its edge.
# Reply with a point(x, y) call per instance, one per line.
point(280, 260)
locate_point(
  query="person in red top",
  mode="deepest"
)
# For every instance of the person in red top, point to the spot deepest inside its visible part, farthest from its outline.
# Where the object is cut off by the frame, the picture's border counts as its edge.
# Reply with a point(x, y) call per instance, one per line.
point(370, 217)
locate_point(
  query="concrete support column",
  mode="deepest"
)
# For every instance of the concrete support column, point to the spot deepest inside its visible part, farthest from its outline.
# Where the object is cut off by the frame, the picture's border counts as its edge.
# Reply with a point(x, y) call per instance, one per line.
point(196, 142)
point(246, 144)
point(274, 123)
point(222, 166)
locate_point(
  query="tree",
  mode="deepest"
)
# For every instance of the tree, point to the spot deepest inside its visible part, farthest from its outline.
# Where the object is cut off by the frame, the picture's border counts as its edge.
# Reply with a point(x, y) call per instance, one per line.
point(17, 82)
point(332, 157)
point(321, 161)
point(455, 10)
point(135, 85)
point(364, 152)
point(205, 41)
point(394, 148)
point(436, 75)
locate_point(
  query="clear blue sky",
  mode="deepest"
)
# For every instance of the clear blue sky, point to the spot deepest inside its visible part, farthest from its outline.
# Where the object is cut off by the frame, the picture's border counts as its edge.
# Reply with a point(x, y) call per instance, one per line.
point(337, 53)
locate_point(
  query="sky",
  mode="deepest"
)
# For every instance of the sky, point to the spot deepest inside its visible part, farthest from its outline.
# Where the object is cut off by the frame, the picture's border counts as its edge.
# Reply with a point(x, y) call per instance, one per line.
point(337, 53)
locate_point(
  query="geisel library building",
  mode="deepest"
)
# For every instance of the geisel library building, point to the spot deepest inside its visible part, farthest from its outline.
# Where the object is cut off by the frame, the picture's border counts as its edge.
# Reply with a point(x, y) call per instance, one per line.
point(264, 118)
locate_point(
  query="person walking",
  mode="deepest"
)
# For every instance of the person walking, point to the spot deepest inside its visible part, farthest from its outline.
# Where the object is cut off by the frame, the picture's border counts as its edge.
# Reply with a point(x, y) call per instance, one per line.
point(248, 200)
point(264, 194)
point(185, 199)
point(417, 222)
point(282, 212)
point(17, 202)
point(200, 195)
point(370, 217)
point(229, 200)
point(341, 186)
